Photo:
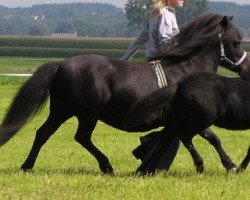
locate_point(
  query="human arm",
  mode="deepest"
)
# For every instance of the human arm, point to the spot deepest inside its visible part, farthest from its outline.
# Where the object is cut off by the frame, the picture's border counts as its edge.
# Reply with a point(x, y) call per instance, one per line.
point(139, 41)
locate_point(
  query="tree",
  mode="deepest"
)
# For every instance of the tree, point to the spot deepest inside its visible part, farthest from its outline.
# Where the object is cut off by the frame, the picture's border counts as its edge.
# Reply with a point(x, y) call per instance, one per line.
point(38, 30)
point(65, 27)
point(2, 30)
point(191, 10)
point(137, 11)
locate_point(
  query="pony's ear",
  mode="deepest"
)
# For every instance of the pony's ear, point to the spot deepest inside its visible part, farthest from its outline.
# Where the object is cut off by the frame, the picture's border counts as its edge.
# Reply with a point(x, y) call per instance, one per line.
point(226, 20)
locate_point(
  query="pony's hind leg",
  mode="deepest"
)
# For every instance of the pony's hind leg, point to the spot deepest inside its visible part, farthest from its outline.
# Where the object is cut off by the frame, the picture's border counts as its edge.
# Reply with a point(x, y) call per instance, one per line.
point(42, 135)
point(198, 161)
point(83, 137)
point(245, 162)
point(215, 142)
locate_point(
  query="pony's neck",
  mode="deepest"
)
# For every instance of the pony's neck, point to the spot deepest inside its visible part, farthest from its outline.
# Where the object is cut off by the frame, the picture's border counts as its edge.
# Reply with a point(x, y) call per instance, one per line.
point(206, 60)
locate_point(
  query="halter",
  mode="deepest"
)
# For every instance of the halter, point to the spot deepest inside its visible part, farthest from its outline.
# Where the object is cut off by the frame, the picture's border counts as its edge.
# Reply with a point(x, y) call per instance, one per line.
point(223, 56)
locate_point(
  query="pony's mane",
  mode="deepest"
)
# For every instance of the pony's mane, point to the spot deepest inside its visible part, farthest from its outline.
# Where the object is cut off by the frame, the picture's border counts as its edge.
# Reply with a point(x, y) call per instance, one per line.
point(194, 37)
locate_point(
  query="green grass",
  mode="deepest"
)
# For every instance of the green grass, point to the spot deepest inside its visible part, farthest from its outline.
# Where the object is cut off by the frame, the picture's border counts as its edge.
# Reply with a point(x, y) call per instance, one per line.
point(29, 65)
point(64, 170)
point(22, 64)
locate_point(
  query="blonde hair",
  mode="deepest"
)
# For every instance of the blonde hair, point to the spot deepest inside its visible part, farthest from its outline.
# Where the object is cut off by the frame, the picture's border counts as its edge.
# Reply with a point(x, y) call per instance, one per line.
point(157, 6)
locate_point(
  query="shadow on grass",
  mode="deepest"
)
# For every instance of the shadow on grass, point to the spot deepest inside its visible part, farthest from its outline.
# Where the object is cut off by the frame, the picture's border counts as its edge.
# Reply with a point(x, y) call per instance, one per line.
point(96, 172)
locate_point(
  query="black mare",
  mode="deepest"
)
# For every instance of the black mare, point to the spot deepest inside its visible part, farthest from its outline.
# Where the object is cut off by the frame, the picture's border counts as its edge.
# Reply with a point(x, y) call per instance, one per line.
point(93, 87)
point(192, 105)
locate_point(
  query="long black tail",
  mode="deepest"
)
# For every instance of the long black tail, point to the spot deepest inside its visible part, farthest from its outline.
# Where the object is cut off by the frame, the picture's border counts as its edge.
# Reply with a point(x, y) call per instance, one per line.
point(151, 108)
point(29, 99)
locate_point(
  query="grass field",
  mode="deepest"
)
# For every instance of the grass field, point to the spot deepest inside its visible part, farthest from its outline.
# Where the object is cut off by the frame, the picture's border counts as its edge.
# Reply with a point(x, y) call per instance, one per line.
point(29, 65)
point(22, 64)
point(64, 170)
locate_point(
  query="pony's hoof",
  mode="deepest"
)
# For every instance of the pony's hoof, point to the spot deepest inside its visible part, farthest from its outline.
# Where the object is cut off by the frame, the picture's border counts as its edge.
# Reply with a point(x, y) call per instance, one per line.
point(233, 170)
point(26, 170)
point(140, 171)
point(240, 170)
point(144, 172)
point(107, 169)
point(200, 169)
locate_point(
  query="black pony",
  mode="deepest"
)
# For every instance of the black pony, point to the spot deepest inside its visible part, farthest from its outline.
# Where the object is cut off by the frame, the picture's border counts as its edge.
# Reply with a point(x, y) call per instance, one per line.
point(93, 87)
point(192, 105)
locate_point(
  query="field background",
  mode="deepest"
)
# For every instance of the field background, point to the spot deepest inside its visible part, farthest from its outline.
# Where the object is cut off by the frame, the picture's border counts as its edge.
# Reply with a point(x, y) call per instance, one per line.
point(64, 170)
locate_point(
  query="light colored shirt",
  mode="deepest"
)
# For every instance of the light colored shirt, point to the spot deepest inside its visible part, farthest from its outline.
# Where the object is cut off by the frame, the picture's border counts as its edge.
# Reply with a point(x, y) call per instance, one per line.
point(156, 32)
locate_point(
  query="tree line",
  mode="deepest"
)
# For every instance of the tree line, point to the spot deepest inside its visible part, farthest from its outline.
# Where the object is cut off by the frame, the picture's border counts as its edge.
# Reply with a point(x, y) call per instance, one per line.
point(241, 14)
point(88, 19)
point(105, 20)
point(138, 11)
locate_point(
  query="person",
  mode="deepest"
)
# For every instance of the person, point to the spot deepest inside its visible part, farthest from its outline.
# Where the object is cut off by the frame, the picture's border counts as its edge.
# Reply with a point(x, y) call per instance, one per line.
point(156, 33)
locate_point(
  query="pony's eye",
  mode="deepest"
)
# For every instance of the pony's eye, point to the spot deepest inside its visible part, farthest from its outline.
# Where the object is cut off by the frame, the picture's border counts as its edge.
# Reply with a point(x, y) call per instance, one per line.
point(236, 44)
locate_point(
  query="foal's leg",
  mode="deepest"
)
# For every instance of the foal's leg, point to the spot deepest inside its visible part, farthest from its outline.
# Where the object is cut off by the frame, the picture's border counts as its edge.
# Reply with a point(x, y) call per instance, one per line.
point(215, 142)
point(42, 135)
point(198, 161)
point(83, 136)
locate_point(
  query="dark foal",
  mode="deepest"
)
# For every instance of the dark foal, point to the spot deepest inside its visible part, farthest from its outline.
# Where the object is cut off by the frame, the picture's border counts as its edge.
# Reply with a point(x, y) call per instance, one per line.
point(93, 87)
point(191, 106)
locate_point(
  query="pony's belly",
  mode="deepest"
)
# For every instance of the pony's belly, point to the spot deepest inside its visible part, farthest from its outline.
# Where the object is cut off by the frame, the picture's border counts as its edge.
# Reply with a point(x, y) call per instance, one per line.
point(120, 126)
point(233, 125)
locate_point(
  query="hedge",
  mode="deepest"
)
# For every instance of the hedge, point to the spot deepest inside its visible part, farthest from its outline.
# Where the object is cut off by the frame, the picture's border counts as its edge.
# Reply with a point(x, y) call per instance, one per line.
point(75, 43)
point(66, 47)
point(61, 52)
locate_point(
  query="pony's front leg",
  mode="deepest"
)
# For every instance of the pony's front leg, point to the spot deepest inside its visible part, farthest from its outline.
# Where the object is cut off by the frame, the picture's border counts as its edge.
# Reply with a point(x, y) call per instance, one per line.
point(83, 137)
point(215, 142)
